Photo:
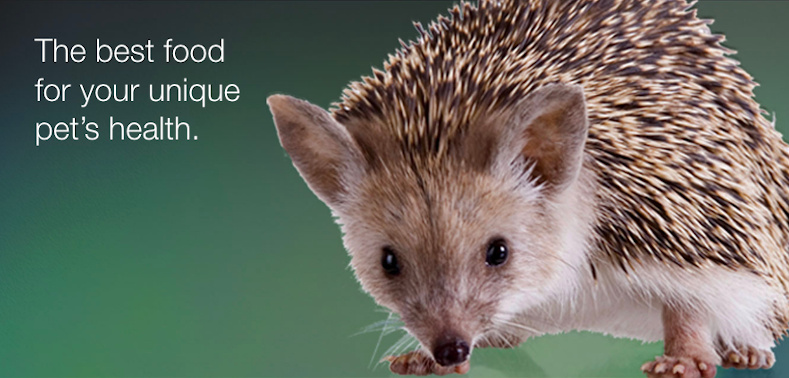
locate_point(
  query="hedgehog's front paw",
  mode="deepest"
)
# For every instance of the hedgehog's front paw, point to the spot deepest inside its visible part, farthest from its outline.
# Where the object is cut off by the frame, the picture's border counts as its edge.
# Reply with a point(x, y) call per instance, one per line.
point(678, 367)
point(420, 363)
point(748, 358)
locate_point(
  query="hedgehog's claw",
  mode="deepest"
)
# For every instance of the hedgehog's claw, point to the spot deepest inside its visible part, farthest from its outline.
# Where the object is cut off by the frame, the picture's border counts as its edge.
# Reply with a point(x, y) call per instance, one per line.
point(420, 363)
point(678, 367)
point(748, 358)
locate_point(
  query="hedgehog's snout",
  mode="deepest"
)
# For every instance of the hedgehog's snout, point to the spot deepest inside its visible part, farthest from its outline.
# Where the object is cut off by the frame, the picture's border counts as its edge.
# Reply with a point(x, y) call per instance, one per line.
point(451, 351)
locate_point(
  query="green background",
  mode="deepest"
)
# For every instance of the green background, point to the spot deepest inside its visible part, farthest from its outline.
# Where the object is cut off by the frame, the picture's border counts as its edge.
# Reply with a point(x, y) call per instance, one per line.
point(212, 257)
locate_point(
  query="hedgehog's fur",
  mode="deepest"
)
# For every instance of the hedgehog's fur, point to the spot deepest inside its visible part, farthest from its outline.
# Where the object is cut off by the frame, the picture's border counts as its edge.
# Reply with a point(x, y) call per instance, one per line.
point(612, 145)
point(690, 172)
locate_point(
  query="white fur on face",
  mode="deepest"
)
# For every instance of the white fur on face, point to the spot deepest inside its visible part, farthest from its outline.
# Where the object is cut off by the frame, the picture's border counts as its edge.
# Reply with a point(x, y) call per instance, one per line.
point(440, 232)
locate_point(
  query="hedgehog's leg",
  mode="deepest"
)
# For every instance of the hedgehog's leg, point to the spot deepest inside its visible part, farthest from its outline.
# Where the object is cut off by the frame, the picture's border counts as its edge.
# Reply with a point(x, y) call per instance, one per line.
point(420, 363)
point(746, 357)
point(689, 351)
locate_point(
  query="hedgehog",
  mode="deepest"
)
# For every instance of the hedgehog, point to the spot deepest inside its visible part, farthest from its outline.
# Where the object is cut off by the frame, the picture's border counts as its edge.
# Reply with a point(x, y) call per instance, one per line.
point(534, 167)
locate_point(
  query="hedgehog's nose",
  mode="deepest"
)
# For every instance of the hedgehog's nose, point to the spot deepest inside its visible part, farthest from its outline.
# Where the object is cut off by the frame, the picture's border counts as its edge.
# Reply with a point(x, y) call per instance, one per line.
point(451, 352)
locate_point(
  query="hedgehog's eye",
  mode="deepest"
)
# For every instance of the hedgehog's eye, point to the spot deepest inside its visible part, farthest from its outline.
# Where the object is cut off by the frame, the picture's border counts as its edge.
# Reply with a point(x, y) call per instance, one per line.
point(497, 252)
point(389, 262)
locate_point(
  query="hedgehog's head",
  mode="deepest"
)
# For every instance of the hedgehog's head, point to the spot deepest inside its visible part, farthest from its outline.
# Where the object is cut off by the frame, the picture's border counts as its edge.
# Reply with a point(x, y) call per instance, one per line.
point(455, 238)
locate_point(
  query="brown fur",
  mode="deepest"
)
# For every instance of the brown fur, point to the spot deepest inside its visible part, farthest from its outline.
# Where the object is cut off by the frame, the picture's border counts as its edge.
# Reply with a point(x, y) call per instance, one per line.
point(682, 152)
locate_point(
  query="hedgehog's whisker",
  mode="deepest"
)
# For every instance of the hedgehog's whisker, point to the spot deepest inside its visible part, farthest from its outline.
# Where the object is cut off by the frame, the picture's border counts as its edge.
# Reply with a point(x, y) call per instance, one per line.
point(514, 324)
point(504, 340)
point(388, 325)
point(380, 337)
point(401, 345)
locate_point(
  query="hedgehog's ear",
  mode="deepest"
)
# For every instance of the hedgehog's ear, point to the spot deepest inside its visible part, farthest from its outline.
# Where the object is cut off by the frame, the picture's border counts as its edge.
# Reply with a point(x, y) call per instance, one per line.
point(321, 149)
point(548, 128)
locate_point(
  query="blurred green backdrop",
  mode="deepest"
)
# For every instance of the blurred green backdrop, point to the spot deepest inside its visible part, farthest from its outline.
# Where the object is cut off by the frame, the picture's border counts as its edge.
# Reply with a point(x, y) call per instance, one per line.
point(212, 257)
